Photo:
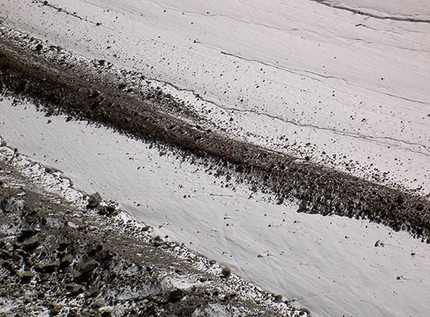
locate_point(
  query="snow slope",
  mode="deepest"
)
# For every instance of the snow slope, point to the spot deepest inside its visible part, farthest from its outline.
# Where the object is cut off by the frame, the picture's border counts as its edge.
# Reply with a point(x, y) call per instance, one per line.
point(349, 90)
point(329, 264)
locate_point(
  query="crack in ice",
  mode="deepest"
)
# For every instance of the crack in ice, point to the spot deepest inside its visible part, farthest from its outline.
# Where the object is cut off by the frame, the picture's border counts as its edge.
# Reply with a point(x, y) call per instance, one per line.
point(371, 15)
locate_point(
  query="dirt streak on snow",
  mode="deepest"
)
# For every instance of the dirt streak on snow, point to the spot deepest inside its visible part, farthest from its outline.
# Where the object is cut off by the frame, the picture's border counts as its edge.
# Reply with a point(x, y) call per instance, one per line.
point(330, 264)
point(347, 90)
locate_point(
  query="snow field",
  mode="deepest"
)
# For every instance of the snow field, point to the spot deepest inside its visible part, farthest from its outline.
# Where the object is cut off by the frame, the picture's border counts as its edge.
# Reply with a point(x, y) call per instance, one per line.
point(347, 90)
point(329, 264)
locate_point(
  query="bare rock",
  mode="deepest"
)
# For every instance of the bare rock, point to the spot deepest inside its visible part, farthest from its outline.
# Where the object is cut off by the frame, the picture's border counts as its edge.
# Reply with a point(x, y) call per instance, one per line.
point(89, 266)
point(26, 276)
point(109, 210)
point(26, 234)
point(105, 313)
point(75, 289)
point(49, 267)
point(39, 48)
point(31, 243)
point(158, 241)
point(226, 272)
point(176, 295)
point(94, 201)
point(66, 260)
point(54, 311)
point(303, 207)
point(277, 298)
point(379, 243)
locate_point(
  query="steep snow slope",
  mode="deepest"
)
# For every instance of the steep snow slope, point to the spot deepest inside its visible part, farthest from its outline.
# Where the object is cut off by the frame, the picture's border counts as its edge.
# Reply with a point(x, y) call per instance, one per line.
point(347, 90)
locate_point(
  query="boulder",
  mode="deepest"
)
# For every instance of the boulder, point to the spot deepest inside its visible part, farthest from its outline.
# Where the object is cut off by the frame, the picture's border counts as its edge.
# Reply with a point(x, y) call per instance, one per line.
point(303, 207)
point(49, 267)
point(94, 201)
point(26, 276)
point(66, 260)
point(89, 266)
point(75, 289)
point(31, 243)
point(176, 295)
point(226, 272)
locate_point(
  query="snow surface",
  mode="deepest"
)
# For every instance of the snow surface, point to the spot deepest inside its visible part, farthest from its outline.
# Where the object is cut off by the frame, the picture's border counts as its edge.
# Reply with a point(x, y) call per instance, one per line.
point(350, 85)
point(329, 264)
point(348, 90)
point(54, 182)
point(411, 10)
